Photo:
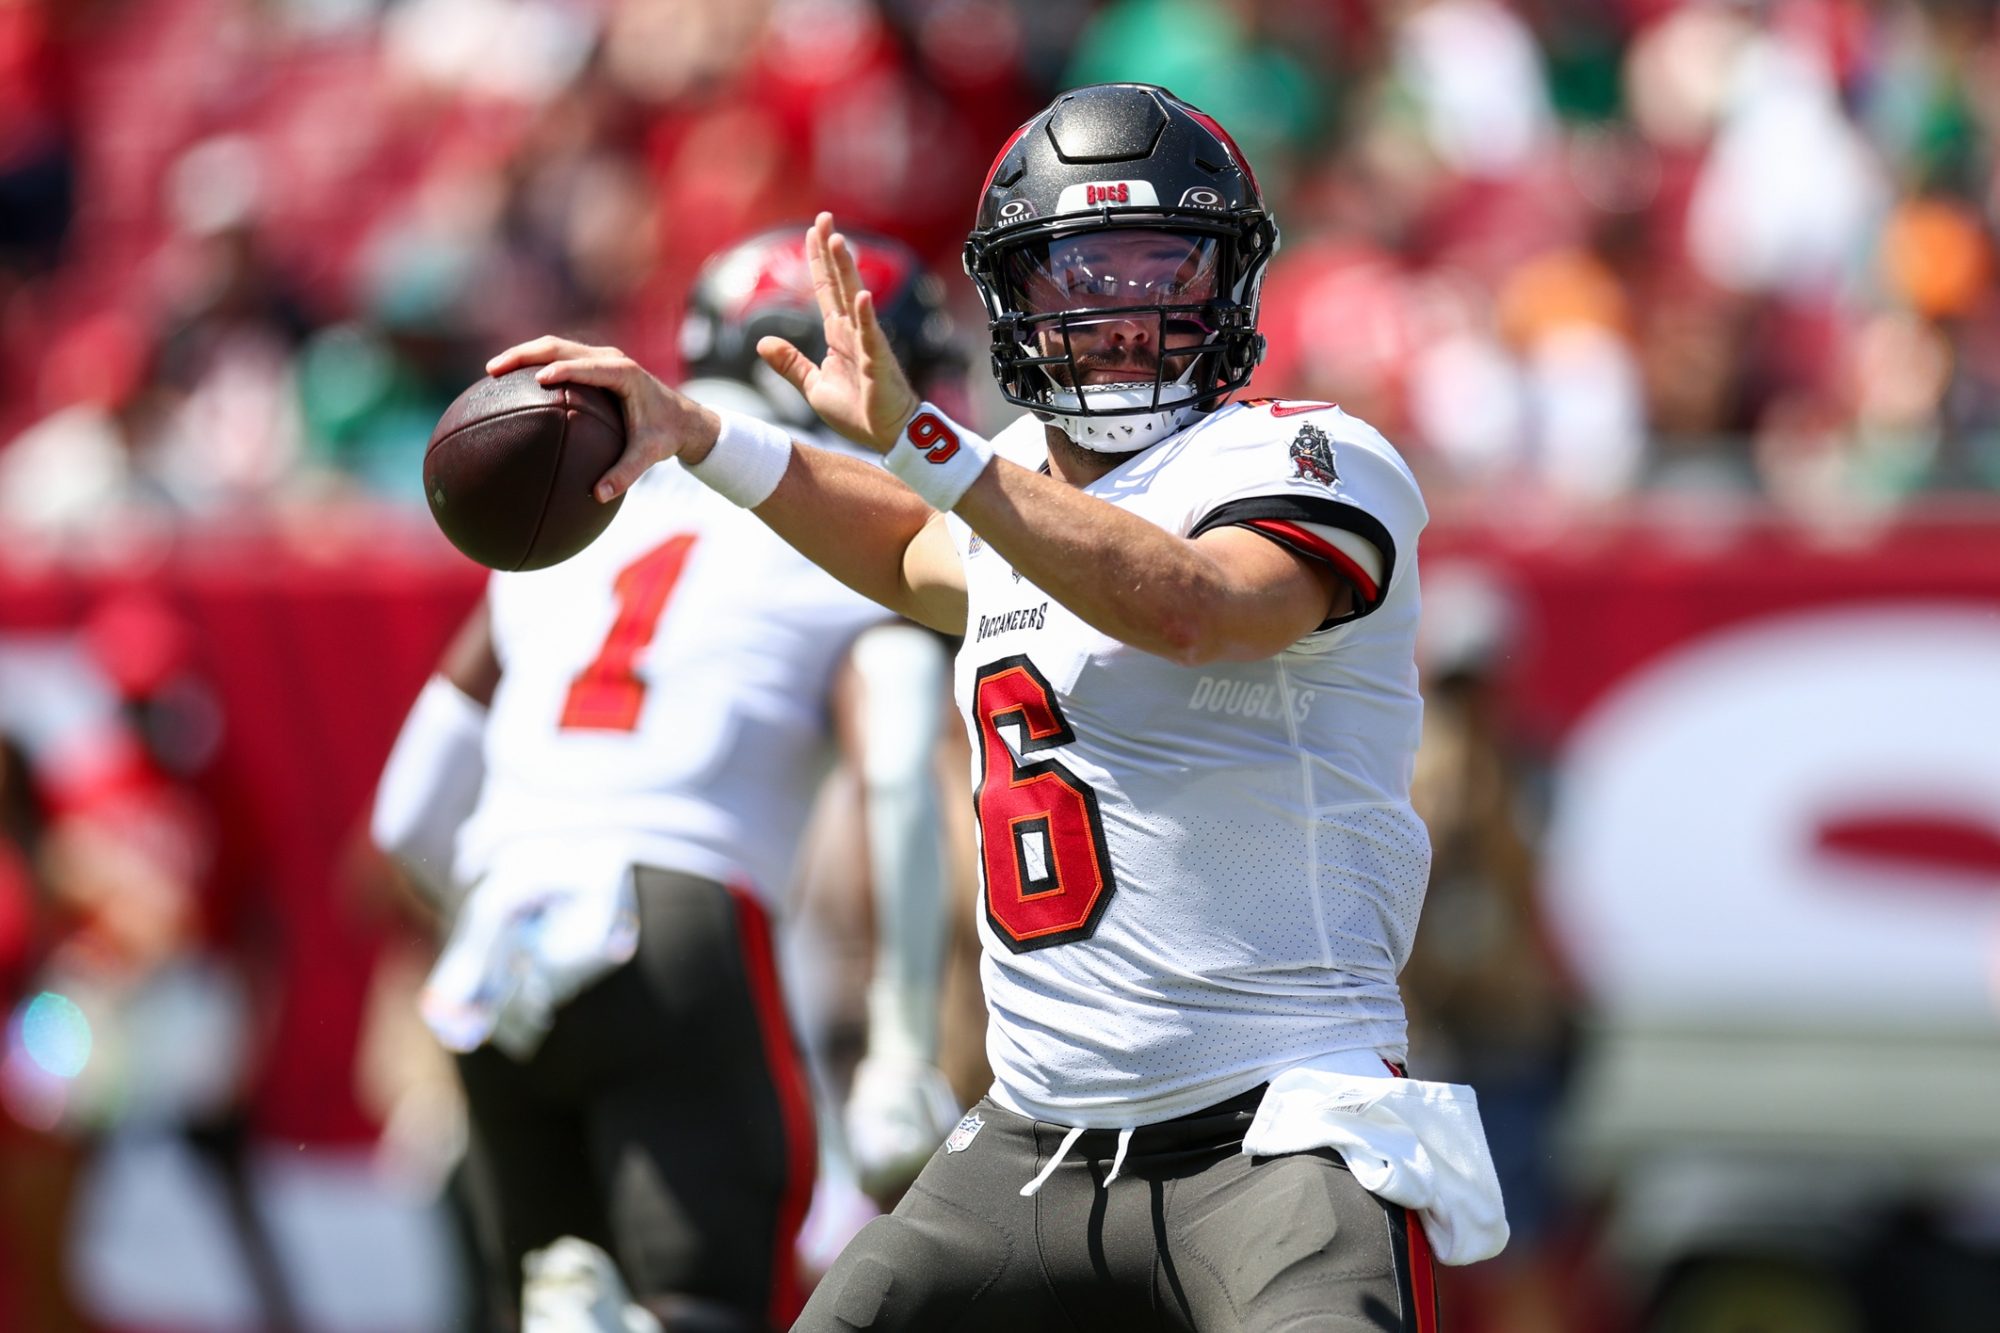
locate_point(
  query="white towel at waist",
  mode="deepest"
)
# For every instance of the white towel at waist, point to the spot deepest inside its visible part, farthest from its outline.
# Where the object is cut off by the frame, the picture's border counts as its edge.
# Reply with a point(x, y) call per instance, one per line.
point(529, 936)
point(1412, 1143)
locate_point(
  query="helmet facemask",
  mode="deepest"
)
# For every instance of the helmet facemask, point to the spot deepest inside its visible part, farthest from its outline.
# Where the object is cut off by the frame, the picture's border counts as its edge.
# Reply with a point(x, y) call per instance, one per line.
point(1180, 235)
point(1121, 333)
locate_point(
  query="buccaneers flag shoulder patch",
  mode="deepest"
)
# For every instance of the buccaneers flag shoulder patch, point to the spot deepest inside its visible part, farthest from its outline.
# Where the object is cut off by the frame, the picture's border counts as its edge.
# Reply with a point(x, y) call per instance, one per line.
point(1312, 454)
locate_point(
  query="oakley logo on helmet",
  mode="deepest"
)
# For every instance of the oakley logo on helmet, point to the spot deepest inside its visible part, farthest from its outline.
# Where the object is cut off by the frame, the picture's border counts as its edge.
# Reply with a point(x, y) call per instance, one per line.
point(1099, 194)
point(1200, 196)
point(1014, 210)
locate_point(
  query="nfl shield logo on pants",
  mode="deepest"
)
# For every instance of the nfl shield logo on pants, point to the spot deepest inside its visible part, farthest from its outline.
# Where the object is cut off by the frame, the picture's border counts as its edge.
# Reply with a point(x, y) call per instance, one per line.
point(962, 1137)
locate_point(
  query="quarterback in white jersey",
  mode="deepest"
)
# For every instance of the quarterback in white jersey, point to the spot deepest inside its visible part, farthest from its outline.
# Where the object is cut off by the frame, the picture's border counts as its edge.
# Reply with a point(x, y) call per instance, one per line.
point(1187, 673)
point(1236, 882)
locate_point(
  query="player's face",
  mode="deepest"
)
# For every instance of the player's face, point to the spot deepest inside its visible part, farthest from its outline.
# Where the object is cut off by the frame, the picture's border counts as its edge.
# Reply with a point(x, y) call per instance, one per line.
point(1109, 284)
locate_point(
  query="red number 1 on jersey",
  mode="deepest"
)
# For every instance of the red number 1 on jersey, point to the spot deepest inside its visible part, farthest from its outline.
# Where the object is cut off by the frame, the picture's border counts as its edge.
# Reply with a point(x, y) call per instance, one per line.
point(607, 695)
point(1041, 839)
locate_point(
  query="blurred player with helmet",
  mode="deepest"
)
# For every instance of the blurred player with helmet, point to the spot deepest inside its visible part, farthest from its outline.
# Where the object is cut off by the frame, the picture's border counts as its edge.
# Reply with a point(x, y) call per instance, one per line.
point(603, 788)
point(1188, 676)
point(761, 288)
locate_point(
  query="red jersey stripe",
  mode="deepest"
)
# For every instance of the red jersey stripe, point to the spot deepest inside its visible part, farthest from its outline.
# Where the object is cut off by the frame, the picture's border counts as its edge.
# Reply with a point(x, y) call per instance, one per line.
point(1314, 544)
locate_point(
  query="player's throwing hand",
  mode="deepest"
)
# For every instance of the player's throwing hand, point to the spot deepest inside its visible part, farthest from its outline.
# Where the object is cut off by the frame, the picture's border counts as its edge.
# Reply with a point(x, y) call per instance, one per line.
point(859, 390)
point(659, 423)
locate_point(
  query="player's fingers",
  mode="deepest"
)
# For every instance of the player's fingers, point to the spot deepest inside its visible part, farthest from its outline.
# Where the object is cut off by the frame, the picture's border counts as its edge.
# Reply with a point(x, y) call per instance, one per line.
point(847, 274)
point(797, 368)
point(821, 268)
point(874, 340)
point(622, 376)
point(839, 263)
point(536, 352)
point(840, 268)
point(587, 366)
point(892, 401)
point(631, 465)
point(618, 373)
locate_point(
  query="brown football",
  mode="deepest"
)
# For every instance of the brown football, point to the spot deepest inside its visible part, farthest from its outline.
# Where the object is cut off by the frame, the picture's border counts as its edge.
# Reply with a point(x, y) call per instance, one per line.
point(510, 468)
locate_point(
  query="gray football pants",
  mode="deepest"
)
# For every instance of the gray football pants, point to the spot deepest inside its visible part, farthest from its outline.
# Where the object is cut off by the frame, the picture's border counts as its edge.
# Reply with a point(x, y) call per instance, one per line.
point(1192, 1235)
point(666, 1119)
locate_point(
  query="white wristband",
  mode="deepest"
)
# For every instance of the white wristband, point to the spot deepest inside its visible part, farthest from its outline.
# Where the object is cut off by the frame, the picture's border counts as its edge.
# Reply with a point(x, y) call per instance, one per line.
point(748, 461)
point(938, 458)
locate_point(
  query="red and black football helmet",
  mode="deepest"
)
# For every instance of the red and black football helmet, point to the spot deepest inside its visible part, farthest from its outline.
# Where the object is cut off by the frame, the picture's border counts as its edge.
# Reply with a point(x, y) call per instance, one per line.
point(1120, 204)
point(762, 286)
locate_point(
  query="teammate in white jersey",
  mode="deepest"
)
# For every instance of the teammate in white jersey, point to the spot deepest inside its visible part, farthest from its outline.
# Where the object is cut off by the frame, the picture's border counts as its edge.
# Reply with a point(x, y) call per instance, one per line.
point(615, 765)
point(1188, 676)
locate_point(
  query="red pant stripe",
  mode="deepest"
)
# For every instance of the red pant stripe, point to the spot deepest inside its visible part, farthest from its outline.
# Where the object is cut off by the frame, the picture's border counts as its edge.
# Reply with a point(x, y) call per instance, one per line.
point(1423, 1277)
point(781, 1056)
point(1423, 1273)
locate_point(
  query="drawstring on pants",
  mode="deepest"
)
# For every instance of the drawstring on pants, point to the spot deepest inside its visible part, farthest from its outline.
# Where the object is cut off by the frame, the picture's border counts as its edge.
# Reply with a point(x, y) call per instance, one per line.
point(1118, 1158)
point(1034, 1186)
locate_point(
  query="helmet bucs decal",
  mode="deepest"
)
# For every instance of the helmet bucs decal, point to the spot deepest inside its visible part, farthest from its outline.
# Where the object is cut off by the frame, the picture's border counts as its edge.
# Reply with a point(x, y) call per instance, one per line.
point(1107, 194)
point(1312, 455)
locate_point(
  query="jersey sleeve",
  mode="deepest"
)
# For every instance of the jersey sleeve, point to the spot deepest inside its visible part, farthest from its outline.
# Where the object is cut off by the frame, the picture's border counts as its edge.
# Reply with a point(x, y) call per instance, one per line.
point(1022, 442)
point(1324, 484)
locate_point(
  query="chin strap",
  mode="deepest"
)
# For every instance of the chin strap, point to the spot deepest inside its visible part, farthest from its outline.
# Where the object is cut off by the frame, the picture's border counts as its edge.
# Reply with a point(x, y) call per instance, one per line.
point(1110, 430)
point(1118, 435)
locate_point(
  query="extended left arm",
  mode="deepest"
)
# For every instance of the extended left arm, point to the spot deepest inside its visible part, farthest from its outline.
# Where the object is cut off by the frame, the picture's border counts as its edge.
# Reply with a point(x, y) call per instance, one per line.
point(1227, 595)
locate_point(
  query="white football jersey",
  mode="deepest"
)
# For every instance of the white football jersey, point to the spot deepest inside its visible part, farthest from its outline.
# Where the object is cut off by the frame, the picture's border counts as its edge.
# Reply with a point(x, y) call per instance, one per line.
point(664, 695)
point(1196, 877)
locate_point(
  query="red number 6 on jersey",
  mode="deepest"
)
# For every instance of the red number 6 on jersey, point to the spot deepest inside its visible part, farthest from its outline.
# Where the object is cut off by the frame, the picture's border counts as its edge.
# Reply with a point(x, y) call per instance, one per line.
point(1042, 852)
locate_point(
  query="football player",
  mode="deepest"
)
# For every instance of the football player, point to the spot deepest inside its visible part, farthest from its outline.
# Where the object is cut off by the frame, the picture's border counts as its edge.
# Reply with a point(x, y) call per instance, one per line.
point(1188, 677)
point(604, 787)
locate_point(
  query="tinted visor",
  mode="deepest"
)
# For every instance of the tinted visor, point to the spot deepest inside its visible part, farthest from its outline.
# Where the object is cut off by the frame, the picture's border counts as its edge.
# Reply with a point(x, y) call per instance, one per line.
point(1113, 269)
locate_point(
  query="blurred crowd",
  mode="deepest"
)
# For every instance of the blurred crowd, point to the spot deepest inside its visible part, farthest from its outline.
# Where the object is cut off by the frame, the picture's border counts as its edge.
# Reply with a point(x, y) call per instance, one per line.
point(128, 1004)
point(1562, 251)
